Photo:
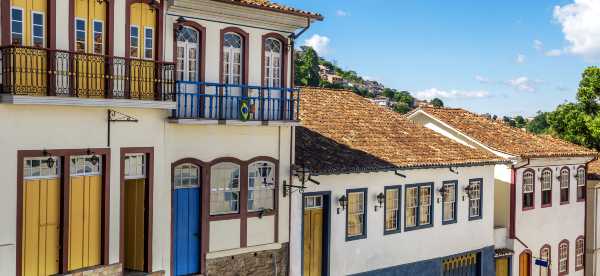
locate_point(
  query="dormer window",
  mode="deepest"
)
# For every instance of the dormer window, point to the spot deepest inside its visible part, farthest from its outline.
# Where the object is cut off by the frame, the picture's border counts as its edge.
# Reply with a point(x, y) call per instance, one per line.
point(273, 62)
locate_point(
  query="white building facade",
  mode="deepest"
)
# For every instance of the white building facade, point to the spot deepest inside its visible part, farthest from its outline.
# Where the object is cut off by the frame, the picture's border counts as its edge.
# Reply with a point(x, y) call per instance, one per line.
point(540, 208)
point(146, 136)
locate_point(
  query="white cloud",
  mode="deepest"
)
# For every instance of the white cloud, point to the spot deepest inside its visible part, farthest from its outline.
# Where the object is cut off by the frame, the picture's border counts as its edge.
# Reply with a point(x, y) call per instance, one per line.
point(553, 53)
point(431, 93)
point(520, 58)
point(319, 43)
point(482, 79)
point(523, 84)
point(538, 45)
point(342, 13)
point(580, 23)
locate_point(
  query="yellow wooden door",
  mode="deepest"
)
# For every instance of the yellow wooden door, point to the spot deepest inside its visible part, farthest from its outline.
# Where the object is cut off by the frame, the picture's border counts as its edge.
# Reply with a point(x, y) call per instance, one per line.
point(29, 65)
point(135, 219)
point(41, 227)
point(142, 50)
point(524, 264)
point(85, 202)
point(313, 242)
point(90, 69)
point(502, 267)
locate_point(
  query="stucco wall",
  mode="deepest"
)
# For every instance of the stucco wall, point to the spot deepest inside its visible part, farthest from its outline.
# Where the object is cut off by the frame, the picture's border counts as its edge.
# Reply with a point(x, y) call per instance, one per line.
point(57, 127)
point(379, 251)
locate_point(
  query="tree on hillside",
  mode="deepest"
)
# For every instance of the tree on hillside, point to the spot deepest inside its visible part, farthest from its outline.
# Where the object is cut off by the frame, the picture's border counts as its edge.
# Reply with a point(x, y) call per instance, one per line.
point(405, 97)
point(520, 121)
point(539, 124)
point(437, 102)
point(579, 122)
point(509, 121)
point(307, 67)
point(402, 107)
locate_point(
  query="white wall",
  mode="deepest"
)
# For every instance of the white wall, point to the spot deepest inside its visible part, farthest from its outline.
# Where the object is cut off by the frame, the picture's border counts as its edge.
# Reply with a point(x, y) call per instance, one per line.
point(379, 250)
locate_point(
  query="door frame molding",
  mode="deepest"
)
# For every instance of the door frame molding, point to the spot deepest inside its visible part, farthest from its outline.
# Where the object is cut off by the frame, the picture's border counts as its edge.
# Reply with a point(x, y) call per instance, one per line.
point(326, 230)
point(65, 155)
point(149, 204)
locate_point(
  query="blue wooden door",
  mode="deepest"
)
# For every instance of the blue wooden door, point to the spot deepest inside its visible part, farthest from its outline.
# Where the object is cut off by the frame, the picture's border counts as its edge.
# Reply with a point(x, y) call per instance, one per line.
point(186, 217)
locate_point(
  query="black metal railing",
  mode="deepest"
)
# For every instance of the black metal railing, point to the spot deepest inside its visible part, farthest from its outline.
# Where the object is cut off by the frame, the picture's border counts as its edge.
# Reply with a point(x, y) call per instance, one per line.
point(218, 101)
point(34, 71)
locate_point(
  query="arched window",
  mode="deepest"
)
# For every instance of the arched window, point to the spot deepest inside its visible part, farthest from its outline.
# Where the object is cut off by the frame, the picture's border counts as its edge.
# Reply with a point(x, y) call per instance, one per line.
point(546, 187)
point(563, 257)
point(581, 175)
point(188, 57)
point(273, 62)
point(528, 189)
point(261, 186)
point(224, 188)
point(564, 185)
point(579, 253)
point(545, 254)
point(186, 176)
point(232, 58)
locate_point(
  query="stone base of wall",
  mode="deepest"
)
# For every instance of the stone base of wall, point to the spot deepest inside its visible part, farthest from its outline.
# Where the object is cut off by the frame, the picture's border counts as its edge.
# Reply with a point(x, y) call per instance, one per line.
point(263, 263)
point(108, 270)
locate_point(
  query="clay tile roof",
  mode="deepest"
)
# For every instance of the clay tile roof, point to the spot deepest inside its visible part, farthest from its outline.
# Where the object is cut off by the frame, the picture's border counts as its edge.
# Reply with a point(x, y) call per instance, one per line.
point(268, 5)
point(504, 138)
point(593, 170)
point(343, 132)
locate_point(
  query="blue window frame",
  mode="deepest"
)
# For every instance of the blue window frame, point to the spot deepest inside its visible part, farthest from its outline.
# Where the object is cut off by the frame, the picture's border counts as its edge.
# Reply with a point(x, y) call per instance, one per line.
point(449, 202)
point(392, 203)
point(356, 214)
point(418, 206)
point(475, 198)
point(16, 25)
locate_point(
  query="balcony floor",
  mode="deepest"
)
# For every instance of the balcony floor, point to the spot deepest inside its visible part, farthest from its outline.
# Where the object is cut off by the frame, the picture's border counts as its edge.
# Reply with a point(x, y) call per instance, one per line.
point(232, 122)
point(88, 102)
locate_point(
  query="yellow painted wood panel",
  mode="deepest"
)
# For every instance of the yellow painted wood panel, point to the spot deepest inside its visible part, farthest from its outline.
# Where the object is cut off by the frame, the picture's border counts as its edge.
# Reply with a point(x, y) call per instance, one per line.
point(135, 191)
point(41, 218)
point(313, 242)
point(29, 6)
point(502, 267)
point(85, 202)
point(90, 11)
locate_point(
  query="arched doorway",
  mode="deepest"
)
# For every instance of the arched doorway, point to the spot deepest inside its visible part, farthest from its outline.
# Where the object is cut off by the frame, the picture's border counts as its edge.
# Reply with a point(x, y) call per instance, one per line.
point(525, 263)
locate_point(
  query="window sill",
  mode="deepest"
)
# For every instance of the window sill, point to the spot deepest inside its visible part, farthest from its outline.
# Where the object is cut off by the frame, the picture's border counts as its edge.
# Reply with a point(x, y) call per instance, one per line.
point(527, 208)
point(265, 213)
point(579, 268)
point(391, 232)
point(581, 200)
point(413, 228)
point(564, 203)
point(475, 218)
point(224, 217)
point(546, 205)
point(354, 238)
point(449, 222)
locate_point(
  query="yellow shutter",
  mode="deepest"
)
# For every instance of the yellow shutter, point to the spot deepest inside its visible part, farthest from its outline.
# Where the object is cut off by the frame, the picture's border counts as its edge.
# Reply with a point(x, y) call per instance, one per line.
point(85, 202)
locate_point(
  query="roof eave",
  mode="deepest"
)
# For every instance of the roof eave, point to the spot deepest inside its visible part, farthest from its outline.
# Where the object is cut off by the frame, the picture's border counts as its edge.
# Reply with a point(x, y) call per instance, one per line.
point(313, 16)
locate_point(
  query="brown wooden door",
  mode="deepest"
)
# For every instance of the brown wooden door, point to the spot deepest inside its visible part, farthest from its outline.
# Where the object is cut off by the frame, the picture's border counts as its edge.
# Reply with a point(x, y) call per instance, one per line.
point(313, 241)
point(525, 264)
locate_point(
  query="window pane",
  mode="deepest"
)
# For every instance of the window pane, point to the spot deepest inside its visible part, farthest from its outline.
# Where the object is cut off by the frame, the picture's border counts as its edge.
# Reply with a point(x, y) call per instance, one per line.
point(391, 209)
point(225, 188)
point(355, 213)
point(17, 15)
point(261, 186)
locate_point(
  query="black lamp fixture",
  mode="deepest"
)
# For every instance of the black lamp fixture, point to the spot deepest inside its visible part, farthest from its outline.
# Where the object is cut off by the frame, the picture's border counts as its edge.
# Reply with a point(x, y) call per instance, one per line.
point(179, 24)
point(50, 161)
point(94, 159)
point(468, 189)
point(380, 200)
point(342, 203)
point(265, 171)
point(442, 191)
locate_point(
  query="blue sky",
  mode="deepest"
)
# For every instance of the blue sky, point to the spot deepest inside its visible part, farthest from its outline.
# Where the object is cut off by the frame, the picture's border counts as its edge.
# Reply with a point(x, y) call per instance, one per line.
point(504, 57)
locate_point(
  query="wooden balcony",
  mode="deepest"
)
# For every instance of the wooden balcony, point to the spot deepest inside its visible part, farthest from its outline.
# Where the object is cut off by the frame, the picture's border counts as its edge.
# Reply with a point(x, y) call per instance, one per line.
point(231, 102)
point(28, 71)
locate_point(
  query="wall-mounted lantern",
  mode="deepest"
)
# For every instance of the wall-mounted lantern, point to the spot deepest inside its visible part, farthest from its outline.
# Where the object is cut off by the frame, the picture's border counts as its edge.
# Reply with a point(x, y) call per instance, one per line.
point(264, 170)
point(380, 201)
point(443, 191)
point(342, 203)
point(304, 175)
point(468, 191)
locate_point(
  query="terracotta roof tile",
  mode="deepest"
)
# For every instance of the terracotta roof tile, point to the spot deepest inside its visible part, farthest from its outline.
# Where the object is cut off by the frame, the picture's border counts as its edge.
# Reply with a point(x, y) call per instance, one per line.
point(504, 138)
point(593, 170)
point(343, 132)
point(265, 4)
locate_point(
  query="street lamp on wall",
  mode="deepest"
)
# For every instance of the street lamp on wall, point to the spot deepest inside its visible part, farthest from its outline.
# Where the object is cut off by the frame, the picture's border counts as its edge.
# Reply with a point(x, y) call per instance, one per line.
point(443, 191)
point(342, 203)
point(380, 201)
point(468, 191)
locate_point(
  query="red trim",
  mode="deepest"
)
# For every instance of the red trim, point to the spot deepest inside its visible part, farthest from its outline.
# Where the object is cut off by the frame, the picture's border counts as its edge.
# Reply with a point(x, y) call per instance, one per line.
point(158, 50)
point(149, 204)
point(513, 203)
point(568, 186)
point(541, 187)
point(549, 258)
point(532, 193)
point(201, 44)
point(577, 268)
point(559, 244)
point(246, 57)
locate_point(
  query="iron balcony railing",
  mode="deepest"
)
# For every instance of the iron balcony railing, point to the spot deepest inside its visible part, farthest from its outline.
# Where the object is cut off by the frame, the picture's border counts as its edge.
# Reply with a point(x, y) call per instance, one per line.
point(31, 71)
point(218, 101)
